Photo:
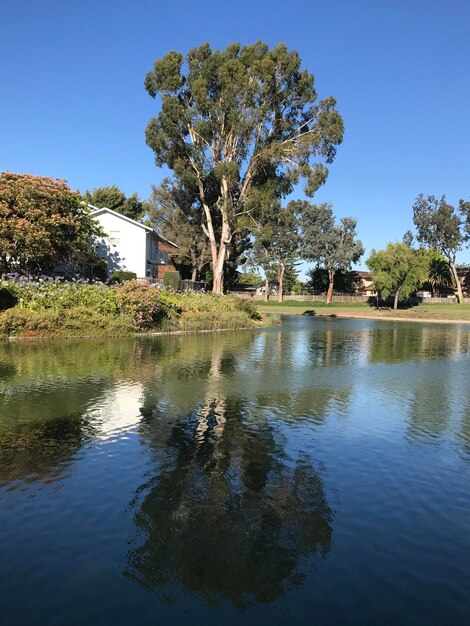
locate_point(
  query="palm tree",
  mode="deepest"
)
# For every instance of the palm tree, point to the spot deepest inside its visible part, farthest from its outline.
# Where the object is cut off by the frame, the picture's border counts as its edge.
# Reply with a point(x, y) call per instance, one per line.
point(439, 272)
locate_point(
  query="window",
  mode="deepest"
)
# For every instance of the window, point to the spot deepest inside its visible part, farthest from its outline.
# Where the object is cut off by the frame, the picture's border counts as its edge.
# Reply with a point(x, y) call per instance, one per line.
point(163, 257)
point(115, 237)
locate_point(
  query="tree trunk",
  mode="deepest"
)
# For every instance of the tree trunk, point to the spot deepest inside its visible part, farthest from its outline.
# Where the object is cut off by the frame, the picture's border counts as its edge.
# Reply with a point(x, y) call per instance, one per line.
point(395, 299)
point(329, 295)
point(218, 257)
point(280, 276)
point(194, 275)
point(266, 288)
point(457, 284)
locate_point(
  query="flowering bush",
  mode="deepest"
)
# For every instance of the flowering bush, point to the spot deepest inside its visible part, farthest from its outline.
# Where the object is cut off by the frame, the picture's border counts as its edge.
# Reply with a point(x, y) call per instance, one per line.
point(42, 223)
point(142, 301)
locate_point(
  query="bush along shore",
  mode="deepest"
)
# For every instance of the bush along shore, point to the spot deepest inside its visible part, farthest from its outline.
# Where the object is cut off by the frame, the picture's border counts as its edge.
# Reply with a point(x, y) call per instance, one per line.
point(53, 307)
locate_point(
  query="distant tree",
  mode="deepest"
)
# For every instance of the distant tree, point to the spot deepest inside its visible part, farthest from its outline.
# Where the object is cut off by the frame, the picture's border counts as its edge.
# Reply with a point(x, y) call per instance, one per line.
point(318, 280)
point(284, 248)
point(250, 277)
point(237, 127)
point(116, 200)
point(331, 246)
point(291, 278)
point(408, 238)
point(440, 226)
point(276, 245)
point(299, 288)
point(171, 211)
point(42, 224)
point(398, 270)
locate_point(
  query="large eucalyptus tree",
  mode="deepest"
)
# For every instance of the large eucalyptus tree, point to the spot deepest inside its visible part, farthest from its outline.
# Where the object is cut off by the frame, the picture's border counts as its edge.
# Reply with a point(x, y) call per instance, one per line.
point(236, 127)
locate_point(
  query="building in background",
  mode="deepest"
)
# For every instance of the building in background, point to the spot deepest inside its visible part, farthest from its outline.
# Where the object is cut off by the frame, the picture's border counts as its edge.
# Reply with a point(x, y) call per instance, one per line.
point(131, 246)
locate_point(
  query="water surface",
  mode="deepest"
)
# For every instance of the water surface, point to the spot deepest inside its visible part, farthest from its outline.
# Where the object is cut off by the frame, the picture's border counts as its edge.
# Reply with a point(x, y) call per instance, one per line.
point(316, 473)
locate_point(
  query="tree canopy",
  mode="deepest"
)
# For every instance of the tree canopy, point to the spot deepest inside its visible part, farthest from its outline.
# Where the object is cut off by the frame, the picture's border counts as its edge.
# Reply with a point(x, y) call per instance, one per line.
point(398, 270)
point(331, 246)
point(237, 128)
point(276, 244)
point(116, 200)
point(444, 228)
point(42, 223)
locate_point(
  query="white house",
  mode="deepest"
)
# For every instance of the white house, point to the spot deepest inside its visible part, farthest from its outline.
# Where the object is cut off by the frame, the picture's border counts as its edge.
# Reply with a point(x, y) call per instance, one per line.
point(132, 246)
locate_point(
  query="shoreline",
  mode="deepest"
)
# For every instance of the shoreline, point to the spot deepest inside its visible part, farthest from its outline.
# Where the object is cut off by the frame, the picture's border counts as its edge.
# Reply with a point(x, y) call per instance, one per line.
point(381, 318)
point(157, 333)
point(351, 313)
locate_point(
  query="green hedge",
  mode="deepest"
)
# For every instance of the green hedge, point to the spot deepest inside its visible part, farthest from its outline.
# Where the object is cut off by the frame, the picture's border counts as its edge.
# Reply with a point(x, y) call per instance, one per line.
point(121, 276)
point(172, 280)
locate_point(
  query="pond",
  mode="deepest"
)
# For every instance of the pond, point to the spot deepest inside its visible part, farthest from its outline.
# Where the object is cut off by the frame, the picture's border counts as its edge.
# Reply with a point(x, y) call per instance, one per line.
point(313, 473)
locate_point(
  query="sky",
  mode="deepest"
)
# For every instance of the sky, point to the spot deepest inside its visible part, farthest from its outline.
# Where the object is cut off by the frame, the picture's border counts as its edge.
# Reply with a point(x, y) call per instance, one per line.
point(73, 103)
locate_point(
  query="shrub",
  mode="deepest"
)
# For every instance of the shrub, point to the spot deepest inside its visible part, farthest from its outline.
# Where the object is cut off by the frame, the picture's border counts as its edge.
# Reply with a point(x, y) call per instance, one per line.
point(121, 276)
point(172, 280)
point(8, 298)
point(142, 301)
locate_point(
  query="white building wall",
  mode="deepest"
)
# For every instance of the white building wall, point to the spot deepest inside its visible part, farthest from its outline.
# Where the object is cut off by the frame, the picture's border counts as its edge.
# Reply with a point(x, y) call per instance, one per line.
point(125, 246)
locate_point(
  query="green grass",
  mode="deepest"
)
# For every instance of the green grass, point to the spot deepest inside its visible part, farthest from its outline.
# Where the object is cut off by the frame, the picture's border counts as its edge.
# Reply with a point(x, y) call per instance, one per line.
point(444, 312)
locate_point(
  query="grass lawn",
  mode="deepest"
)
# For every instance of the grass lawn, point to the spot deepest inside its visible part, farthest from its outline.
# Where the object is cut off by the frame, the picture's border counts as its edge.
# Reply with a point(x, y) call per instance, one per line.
point(433, 312)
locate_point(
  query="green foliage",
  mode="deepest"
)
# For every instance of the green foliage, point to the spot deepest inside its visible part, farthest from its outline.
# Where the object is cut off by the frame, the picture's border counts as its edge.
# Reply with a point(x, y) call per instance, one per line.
point(113, 198)
point(299, 288)
point(276, 245)
point(52, 307)
point(74, 321)
point(42, 223)
point(141, 300)
point(444, 228)
point(439, 271)
point(250, 277)
point(120, 276)
point(239, 128)
point(333, 247)
point(50, 294)
point(172, 280)
point(398, 270)
point(439, 225)
point(172, 212)
point(345, 281)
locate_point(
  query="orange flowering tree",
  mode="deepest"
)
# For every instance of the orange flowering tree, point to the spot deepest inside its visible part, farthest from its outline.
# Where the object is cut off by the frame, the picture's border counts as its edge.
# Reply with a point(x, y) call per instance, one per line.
point(42, 223)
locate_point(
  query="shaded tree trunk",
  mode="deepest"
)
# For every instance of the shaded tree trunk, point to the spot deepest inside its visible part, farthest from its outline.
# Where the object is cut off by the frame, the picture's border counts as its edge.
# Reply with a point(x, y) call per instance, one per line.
point(331, 279)
point(266, 288)
point(456, 281)
point(395, 299)
point(280, 276)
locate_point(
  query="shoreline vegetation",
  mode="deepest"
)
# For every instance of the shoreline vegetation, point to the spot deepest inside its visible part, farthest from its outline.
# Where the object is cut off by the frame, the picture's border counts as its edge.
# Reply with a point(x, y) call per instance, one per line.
point(56, 308)
point(433, 313)
point(52, 308)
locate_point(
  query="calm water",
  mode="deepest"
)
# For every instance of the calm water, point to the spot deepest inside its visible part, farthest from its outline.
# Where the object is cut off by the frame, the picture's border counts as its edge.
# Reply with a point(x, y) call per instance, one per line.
point(317, 473)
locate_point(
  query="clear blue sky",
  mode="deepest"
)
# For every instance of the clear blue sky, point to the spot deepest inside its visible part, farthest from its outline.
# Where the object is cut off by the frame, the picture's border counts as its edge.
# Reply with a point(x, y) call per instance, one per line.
point(73, 104)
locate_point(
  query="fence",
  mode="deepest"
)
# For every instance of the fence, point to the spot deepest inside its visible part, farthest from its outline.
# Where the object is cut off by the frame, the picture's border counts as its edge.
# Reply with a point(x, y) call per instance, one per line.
point(320, 298)
point(369, 299)
point(193, 285)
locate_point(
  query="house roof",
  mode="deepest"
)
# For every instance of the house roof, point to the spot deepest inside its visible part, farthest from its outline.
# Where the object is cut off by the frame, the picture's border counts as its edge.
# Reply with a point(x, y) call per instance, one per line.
point(97, 211)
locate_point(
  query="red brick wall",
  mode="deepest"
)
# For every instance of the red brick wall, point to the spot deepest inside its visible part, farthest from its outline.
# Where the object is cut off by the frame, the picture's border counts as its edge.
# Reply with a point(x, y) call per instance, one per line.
point(163, 269)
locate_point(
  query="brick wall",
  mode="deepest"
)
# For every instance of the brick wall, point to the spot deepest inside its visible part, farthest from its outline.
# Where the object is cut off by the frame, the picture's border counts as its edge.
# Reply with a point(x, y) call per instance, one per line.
point(163, 269)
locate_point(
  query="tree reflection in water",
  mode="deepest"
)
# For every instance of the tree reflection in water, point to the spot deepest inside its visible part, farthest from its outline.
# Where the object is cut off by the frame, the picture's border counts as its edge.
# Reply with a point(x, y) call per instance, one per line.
point(228, 514)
